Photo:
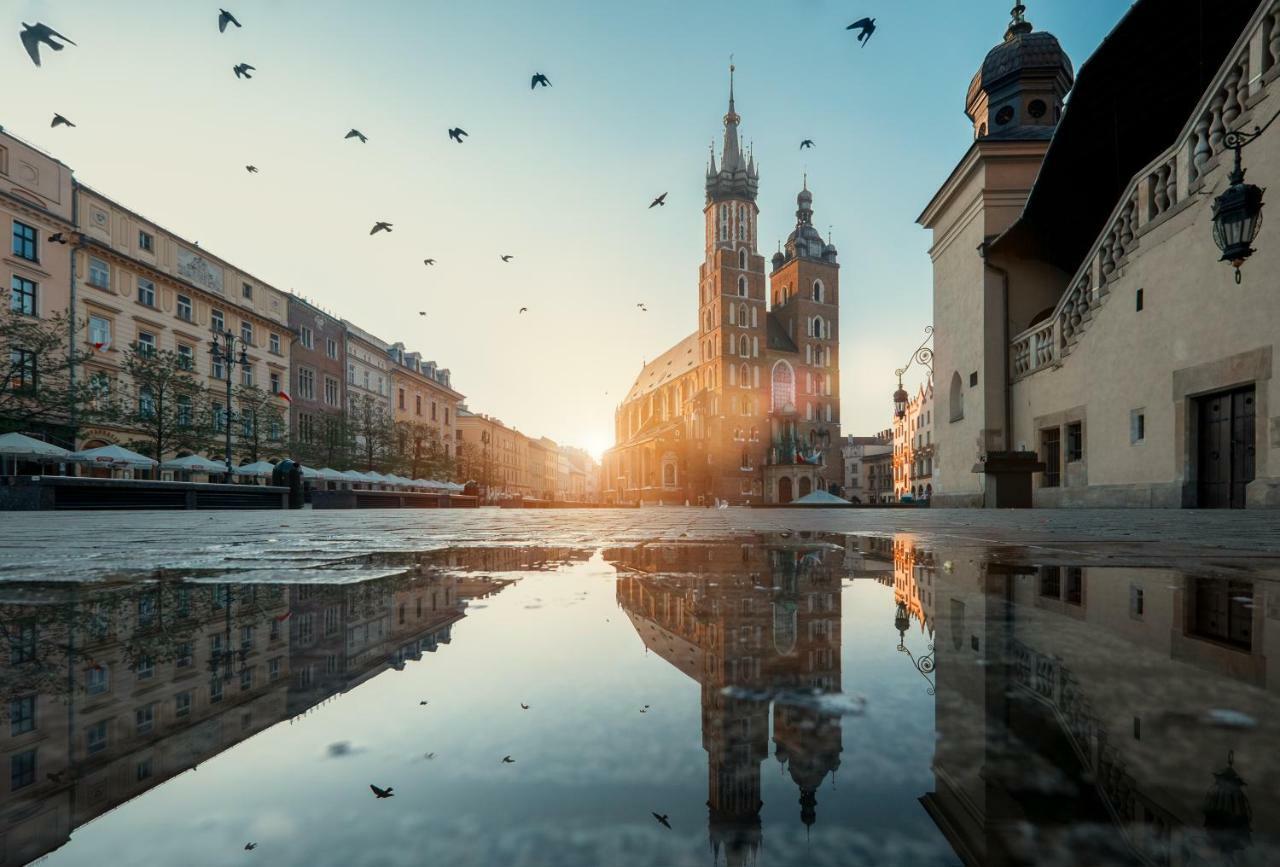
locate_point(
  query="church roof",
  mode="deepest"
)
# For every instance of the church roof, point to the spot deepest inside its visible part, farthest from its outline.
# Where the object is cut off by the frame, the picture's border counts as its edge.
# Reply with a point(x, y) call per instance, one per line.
point(778, 339)
point(678, 360)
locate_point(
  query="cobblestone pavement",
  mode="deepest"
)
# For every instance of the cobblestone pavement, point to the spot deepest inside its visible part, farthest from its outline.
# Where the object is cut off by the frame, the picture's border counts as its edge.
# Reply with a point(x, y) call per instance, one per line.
point(68, 545)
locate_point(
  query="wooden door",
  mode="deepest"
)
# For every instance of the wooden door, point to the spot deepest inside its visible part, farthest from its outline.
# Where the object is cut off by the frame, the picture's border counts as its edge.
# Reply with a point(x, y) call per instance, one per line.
point(1225, 451)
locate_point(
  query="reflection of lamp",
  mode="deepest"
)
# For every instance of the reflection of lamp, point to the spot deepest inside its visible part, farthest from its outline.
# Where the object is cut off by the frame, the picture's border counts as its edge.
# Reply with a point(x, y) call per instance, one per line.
point(901, 621)
point(1227, 814)
point(924, 665)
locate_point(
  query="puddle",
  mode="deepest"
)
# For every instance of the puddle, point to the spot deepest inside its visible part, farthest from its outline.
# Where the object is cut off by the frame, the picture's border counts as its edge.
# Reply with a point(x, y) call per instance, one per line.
point(796, 698)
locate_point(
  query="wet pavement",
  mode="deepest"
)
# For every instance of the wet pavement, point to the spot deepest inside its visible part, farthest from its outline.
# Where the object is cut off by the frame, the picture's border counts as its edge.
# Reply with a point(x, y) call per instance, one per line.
point(952, 691)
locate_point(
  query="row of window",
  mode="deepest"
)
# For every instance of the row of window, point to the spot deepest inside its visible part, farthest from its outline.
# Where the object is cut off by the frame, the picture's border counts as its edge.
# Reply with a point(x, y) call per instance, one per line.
point(417, 405)
point(307, 339)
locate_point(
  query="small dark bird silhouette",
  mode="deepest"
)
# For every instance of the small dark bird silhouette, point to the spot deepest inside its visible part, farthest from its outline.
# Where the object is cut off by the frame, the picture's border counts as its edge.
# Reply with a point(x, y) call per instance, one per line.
point(457, 133)
point(523, 706)
point(253, 170)
point(380, 226)
point(33, 34)
point(249, 847)
point(429, 756)
point(355, 133)
point(867, 26)
point(524, 309)
point(428, 261)
point(422, 313)
point(225, 18)
point(662, 819)
point(507, 760)
point(242, 70)
point(57, 238)
point(507, 257)
point(421, 702)
point(381, 793)
point(59, 120)
point(539, 78)
point(661, 200)
point(807, 143)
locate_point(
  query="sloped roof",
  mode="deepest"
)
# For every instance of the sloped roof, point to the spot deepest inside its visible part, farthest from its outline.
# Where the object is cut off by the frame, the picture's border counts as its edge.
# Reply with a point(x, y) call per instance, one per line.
point(777, 335)
point(678, 360)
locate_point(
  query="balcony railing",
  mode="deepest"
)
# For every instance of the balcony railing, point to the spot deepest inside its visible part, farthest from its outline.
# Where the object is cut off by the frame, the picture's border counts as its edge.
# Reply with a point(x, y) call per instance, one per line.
point(1164, 187)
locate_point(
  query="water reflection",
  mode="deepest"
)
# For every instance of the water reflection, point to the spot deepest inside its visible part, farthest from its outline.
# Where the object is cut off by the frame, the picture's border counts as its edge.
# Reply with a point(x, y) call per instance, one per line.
point(979, 706)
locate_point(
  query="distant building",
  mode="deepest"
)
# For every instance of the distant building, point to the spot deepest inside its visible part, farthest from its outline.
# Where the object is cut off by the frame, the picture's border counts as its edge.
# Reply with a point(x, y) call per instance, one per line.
point(858, 454)
point(424, 395)
point(746, 409)
point(913, 448)
point(318, 391)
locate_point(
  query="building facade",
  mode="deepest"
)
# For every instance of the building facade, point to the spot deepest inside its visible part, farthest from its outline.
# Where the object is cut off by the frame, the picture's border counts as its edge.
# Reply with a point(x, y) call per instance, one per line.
point(746, 409)
point(424, 397)
point(1082, 316)
point(36, 193)
point(318, 364)
point(140, 285)
point(858, 455)
point(913, 447)
point(493, 455)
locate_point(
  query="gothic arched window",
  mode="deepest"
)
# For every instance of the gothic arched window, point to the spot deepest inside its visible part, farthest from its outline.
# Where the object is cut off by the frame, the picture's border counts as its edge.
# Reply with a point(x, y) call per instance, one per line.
point(742, 286)
point(744, 377)
point(817, 291)
point(742, 259)
point(957, 397)
point(743, 348)
point(784, 386)
point(743, 320)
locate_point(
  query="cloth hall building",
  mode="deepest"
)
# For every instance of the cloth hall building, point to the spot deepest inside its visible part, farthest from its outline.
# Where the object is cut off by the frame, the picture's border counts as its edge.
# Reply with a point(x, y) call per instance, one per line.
point(746, 409)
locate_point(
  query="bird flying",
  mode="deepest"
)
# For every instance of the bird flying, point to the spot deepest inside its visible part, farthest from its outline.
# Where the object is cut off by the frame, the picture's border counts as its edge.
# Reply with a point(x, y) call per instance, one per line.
point(539, 78)
point(807, 143)
point(225, 18)
point(422, 313)
point(249, 847)
point(355, 133)
point(242, 70)
point(662, 819)
point(429, 756)
point(253, 170)
point(507, 760)
point(33, 34)
point(381, 793)
point(507, 257)
point(428, 261)
point(380, 226)
point(59, 120)
point(661, 200)
point(867, 26)
point(523, 706)
point(524, 309)
point(457, 133)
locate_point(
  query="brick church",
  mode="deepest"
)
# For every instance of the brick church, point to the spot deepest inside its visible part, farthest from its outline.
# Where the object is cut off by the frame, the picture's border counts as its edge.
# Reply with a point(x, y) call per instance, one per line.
point(746, 409)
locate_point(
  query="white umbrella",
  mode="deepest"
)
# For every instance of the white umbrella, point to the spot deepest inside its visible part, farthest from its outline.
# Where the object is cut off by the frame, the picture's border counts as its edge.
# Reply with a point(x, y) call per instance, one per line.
point(113, 455)
point(261, 469)
point(22, 447)
point(194, 464)
point(312, 474)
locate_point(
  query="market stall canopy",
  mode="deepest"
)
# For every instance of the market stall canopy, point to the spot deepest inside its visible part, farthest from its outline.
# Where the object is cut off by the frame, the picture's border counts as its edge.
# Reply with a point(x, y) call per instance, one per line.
point(194, 464)
point(22, 447)
point(820, 498)
point(113, 455)
point(261, 469)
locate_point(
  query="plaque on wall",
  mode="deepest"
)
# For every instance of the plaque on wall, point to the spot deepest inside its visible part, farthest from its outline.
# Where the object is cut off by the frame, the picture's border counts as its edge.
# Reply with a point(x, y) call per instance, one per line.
point(198, 270)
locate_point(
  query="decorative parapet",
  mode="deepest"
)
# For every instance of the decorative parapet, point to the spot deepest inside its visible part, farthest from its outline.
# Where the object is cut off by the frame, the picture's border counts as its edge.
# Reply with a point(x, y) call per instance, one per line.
point(1164, 187)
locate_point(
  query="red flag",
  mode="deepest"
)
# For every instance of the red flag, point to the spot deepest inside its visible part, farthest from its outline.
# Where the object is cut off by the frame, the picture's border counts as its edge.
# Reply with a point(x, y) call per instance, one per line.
point(284, 394)
point(101, 347)
point(281, 618)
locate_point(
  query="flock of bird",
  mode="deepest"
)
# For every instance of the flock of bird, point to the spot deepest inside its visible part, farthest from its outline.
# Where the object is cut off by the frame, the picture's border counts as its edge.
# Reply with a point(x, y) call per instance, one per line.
point(33, 36)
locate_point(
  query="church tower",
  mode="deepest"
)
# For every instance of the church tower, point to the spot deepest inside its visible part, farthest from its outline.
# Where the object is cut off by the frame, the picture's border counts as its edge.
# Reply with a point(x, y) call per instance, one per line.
point(732, 311)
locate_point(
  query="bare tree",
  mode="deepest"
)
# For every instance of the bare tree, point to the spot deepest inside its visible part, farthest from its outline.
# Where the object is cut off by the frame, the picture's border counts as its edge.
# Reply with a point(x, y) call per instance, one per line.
point(38, 390)
point(166, 404)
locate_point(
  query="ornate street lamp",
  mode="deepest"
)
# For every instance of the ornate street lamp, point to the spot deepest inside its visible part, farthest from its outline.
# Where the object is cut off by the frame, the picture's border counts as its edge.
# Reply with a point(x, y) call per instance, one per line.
point(924, 356)
point(1237, 213)
point(924, 664)
point(222, 349)
point(1228, 817)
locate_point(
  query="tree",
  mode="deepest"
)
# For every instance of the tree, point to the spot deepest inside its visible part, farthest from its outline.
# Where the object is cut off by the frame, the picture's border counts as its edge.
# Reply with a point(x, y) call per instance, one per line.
point(166, 404)
point(475, 461)
point(261, 425)
point(372, 432)
point(326, 443)
point(38, 388)
point(419, 452)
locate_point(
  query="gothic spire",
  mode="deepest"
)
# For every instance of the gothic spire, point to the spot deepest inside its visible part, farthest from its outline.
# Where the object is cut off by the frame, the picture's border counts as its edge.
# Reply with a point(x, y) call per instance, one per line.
point(738, 174)
point(732, 158)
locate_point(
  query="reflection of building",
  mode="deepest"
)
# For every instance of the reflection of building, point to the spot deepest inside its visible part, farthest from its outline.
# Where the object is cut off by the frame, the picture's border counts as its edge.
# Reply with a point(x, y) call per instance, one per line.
point(753, 625)
point(109, 690)
point(1096, 325)
point(1105, 703)
point(747, 407)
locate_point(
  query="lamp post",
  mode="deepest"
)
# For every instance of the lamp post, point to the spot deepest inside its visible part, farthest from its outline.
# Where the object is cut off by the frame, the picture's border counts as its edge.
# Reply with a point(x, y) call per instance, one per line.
point(924, 664)
point(222, 349)
point(1237, 213)
point(923, 355)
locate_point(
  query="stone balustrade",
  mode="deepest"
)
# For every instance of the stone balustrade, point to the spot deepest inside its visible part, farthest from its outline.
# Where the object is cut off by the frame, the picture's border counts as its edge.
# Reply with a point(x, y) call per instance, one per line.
point(1165, 187)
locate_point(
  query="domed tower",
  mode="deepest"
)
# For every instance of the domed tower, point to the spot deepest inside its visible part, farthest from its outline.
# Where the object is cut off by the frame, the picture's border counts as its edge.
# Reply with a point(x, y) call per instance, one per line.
point(1019, 91)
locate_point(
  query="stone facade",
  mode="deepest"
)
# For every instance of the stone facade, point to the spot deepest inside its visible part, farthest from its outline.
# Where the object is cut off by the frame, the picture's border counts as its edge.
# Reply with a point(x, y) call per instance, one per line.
point(863, 482)
point(423, 395)
point(1095, 325)
point(318, 365)
point(913, 447)
point(746, 409)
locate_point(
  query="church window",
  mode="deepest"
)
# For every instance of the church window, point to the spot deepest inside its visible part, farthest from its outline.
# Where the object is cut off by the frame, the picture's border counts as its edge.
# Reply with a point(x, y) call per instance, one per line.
point(743, 349)
point(1037, 108)
point(742, 259)
point(817, 291)
point(742, 286)
point(742, 315)
point(1004, 115)
point(745, 377)
point(784, 386)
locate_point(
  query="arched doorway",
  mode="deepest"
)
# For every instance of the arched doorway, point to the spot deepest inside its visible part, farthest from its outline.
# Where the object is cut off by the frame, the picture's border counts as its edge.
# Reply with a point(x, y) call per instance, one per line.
point(806, 486)
point(784, 489)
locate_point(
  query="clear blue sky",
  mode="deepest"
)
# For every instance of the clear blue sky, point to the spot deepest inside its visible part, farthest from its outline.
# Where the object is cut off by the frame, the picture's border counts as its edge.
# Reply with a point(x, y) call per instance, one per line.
point(560, 178)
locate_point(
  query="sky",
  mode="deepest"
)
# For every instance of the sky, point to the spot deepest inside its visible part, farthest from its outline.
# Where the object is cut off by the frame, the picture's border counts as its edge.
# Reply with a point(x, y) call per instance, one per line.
point(560, 178)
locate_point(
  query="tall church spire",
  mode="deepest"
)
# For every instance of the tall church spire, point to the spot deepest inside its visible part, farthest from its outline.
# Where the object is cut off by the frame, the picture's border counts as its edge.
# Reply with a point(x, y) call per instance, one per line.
point(737, 178)
point(732, 150)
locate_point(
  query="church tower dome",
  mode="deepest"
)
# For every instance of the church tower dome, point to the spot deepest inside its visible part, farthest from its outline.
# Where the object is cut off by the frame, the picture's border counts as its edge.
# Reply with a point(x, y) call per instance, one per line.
point(1018, 92)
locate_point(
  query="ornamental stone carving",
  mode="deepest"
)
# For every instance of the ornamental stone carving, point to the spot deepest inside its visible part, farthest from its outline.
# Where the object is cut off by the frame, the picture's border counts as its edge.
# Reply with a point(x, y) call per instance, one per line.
point(197, 270)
